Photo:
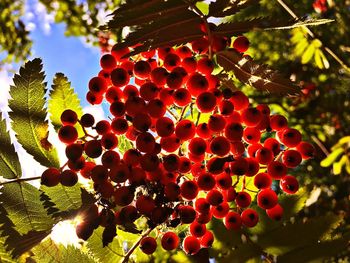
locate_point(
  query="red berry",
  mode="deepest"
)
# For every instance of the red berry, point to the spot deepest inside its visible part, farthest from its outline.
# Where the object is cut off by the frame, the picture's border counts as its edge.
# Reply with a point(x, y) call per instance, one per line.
point(191, 245)
point(68, 178)
point(207, 239)
point(214, 197)
point(197, 229)
point(67, 134)
point(262, 180)
point(87, 120)
point(148, 245)
point(249, 217)
point(291, 158)
point(170, 241)
point(221, 210)
point(275, 212)
point(276, 170)
point(289, 184)
point(241, 44)
point(93, 148)
point(50, 177)
point(189, 190)
point(306, 150)
point(267, 198)
point(233, 221)
point(243, 199)
point(69, 117)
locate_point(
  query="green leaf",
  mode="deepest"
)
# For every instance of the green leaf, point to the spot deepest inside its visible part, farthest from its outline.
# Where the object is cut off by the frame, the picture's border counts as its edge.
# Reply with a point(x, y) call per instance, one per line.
point(242, 253)
point(111, 253)
point(291, 204)
point(203, 7)
point(141, 12)
point(317, 252)
point(12, 241)
point(332, 157)
point(5, 256)
point(259, 76)
point(222, 8)
point(337, 167)
point(65, 201)
point(262, 23)
point(124, 144)
point(28, 114)
point(150, 33)
point(48, 251)
point(308, 54)
point(319, 228)
point(318, 59)
point(24, 208)
point(62, 97)
point(10, 168)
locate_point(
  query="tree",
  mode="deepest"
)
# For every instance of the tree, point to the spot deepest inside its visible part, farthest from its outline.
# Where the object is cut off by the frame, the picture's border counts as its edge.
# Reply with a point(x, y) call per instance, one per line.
point(186, 158)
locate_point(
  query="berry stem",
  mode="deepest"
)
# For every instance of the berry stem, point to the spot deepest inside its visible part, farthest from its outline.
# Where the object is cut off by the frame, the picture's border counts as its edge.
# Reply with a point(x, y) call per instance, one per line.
point(20, 180)
point(207, 28)
point(182, 113)
point(172, 114)
point(198, 117)
point(131, 250)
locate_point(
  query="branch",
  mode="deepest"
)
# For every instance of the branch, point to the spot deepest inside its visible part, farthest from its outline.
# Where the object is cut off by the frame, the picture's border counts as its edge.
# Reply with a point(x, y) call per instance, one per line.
point(312, 35)
point(20, 180)
point(127, 256)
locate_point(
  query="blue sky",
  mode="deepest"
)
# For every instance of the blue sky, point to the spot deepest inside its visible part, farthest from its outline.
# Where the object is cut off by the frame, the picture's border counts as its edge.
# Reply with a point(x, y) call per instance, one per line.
point(69, 55)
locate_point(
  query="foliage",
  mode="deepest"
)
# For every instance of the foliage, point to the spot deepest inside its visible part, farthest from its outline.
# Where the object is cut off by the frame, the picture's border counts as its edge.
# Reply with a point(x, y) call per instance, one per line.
point(321, 111)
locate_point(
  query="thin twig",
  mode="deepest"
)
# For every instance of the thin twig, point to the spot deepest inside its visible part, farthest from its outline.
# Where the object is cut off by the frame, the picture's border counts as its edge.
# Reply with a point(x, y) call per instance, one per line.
point(20, 180)
point(312, 35)
point(320, 144)
point(127, 256)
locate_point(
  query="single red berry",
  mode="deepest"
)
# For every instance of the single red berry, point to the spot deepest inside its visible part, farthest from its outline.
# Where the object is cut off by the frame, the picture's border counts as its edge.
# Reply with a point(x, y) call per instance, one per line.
point(148, 245)
point(207, 239)
point(187, 214)
point(262, 180)
point(170, 241)
point(103, 127)
point(275, 212)
point(289, 184)
point(249, 217)
point(109, 141)
point(243, 199)
point(69, 117)
point(98, 85)
point(68, 178)
point(276, 170)
point(206, 181)
point(214, 197)
point(191, 245)
point(93, 148)
point(267, 198)
point(197, 229)
point(50, 177)
point(241, 44)
point(278, 122)
point(87, 120)
point(189, 190)
point(221, 210)
point(74, 151)
point(291, 158)
point(291, 137)
point(233, 221)
point(307, 150)
point(68, 134)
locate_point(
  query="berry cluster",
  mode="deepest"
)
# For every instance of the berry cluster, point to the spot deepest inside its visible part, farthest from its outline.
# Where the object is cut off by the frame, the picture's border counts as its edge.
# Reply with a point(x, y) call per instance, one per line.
point(181, 170)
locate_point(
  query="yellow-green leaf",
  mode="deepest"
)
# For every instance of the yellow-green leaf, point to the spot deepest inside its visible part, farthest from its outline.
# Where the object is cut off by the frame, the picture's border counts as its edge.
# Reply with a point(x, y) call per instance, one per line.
point(332, 157)
point(10, 167)
point(308, 54)
point(62, 97)
point(28, 113)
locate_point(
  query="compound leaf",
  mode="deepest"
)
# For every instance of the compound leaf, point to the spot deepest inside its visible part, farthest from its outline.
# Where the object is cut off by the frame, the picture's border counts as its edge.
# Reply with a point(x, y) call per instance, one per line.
point(28, 113)
point(22, 204)
point(10, 166)
point(111, 253)
point(258, 76)
point(48, 251)
point(62, 97)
